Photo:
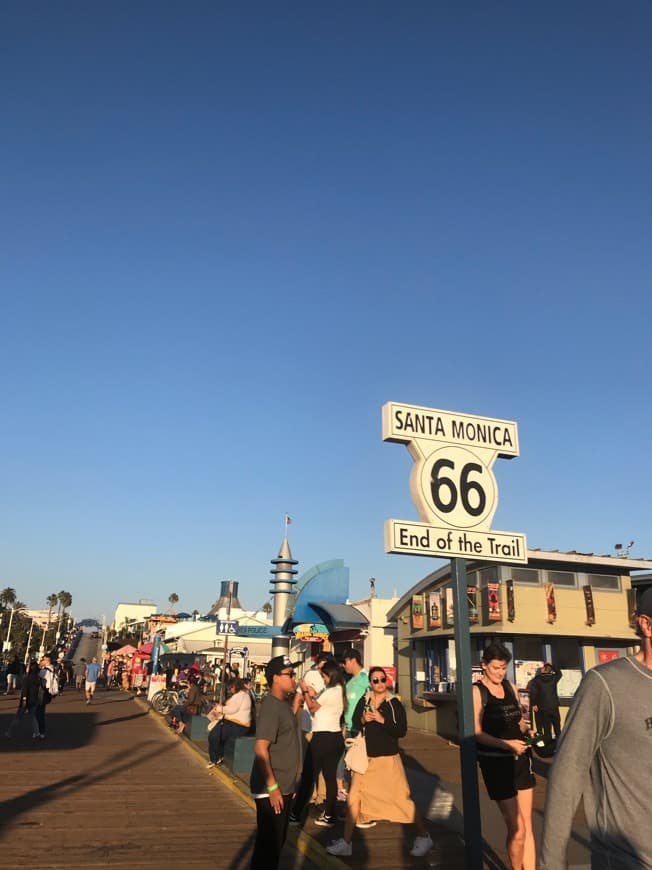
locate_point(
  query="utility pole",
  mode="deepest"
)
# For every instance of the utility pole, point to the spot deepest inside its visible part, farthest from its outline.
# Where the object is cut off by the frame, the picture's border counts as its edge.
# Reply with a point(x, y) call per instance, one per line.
point(226, 641)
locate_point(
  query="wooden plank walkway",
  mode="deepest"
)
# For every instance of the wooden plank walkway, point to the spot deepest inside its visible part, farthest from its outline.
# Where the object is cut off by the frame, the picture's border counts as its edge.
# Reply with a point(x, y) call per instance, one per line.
point(111, 787)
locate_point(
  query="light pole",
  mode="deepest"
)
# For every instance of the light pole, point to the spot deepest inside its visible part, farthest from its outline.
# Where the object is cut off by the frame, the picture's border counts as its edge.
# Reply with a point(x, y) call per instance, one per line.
point(29, 641)
point(7, 644)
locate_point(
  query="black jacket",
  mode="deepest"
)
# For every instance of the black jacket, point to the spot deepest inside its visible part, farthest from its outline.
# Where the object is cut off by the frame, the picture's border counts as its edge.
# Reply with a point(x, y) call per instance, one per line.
point(382, 739)
point(543, 690)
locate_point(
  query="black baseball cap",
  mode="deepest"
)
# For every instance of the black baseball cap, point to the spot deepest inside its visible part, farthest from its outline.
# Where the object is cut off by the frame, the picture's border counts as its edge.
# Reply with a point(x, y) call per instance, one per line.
point(276, 665)
point(644, 606)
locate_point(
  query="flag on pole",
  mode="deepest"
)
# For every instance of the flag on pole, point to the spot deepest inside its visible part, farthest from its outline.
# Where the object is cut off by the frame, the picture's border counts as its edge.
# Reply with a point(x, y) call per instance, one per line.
point(288, 519)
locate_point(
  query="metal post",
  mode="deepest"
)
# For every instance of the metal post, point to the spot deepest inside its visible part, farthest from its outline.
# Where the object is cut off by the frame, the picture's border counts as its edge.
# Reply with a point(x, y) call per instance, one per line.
point(29, 640)
point(466, 726)
point(226, 642)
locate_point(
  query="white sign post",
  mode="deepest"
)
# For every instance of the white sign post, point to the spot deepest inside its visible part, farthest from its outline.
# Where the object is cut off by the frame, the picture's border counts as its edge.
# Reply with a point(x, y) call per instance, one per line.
point(456, 495)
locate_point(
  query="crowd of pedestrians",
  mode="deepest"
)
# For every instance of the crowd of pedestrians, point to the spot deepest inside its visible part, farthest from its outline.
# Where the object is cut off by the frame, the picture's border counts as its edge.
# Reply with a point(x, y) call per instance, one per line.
point(601, 755)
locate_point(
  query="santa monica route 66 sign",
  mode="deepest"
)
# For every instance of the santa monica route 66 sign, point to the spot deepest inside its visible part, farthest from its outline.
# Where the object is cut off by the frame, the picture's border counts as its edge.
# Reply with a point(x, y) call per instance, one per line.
point(452, 484)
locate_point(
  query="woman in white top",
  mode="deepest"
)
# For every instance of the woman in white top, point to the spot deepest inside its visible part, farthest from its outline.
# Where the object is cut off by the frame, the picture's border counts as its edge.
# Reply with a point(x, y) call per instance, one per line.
point(232, 719)
point(327, 743)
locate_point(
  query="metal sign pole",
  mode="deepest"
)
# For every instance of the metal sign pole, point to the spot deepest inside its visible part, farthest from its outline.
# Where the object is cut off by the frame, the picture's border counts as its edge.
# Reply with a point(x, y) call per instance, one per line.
point(466, 725)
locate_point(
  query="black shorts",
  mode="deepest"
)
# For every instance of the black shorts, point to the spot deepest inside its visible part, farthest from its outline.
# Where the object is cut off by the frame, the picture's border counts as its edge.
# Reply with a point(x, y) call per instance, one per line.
point(503, 777)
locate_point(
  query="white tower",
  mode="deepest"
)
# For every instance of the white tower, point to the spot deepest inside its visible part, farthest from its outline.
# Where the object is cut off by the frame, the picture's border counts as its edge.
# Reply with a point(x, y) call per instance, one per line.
point(283, 583)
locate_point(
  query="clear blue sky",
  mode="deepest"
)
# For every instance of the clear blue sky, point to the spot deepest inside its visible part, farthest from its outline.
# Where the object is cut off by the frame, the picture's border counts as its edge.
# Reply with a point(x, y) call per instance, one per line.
point(230, 233)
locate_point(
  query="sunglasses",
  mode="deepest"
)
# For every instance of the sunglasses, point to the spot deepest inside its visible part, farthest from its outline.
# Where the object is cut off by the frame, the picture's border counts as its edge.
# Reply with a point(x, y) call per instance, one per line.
point(287, 674)
point(379, 680)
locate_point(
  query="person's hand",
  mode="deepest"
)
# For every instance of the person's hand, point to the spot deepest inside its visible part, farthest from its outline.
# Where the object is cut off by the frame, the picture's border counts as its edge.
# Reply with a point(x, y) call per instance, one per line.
point(535, 707)
point(518, 747)
point(276, 800)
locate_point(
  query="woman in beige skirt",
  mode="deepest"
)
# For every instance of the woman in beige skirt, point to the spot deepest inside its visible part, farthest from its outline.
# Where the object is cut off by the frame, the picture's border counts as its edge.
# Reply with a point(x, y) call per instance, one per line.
point(382, 792)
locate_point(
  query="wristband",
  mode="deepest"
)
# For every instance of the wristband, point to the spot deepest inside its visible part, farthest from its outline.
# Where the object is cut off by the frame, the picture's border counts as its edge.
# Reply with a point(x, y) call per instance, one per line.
point(271, 788)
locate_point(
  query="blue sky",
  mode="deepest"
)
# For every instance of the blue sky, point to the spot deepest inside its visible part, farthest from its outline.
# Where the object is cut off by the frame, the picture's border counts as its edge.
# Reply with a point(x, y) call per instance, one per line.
point(230, 234)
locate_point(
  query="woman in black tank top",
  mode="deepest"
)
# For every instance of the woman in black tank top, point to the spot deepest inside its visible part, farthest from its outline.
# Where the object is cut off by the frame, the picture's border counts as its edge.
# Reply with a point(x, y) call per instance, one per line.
point(504, 757)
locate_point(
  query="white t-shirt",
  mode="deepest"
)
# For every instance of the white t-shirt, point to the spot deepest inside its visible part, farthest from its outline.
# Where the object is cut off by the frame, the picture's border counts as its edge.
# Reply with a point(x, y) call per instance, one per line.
point(331, 707)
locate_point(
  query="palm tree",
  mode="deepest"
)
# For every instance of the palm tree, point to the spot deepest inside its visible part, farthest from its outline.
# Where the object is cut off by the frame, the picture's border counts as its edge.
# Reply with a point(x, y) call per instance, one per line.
point(266, 608)
point(51, 602)
point(66, 601)
point(7, 596)
point(173, 598)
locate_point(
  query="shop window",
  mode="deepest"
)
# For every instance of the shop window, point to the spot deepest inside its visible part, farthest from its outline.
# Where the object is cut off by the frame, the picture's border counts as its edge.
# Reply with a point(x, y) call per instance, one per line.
point(488, 575)
point(524, 575)
point(562, 578)
point(527, 648)
point(566, 654)
point(604, 581)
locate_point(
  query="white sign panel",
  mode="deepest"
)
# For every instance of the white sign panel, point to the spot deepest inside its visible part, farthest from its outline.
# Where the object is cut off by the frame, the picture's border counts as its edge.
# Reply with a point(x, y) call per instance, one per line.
point(422, 539)
point(452, 484)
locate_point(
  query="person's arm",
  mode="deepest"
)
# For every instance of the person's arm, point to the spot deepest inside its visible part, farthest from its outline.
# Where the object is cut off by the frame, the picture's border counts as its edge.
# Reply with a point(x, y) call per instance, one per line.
point(261, 751)
point(393, 720)
point(356, 719)
point(589, 721)
point(518, 747)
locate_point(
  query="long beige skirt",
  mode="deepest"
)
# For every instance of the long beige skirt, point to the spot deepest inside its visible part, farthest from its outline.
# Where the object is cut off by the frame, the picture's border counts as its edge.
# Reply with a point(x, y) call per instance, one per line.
point(383, 793)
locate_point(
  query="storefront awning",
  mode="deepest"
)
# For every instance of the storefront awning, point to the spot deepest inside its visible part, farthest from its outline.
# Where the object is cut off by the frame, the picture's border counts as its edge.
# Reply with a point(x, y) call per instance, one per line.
point(340, 616)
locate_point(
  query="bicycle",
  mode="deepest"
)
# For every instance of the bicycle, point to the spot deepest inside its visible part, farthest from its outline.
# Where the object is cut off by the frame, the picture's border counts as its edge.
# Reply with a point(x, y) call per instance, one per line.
point(165, 700)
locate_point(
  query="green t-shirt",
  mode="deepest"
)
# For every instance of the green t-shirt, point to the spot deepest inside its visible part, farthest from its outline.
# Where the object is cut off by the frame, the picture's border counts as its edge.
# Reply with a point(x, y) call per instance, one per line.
point(355, 689)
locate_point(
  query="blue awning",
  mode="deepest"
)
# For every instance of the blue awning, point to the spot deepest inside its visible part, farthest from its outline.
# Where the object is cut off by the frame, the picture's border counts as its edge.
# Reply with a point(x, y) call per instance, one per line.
point(340, 616)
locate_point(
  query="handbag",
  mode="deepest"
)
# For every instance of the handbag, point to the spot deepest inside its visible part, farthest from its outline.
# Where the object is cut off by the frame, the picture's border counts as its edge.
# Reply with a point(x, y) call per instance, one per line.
point(356, 754)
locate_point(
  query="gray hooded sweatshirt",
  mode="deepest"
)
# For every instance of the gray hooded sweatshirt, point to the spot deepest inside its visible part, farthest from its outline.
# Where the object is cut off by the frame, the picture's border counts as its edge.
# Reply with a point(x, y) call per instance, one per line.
point(605, 754)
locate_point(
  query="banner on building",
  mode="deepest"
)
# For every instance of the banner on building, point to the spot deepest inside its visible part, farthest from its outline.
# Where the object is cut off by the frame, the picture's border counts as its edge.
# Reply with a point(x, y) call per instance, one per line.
point(511, 607)
point(417, 612)
point(588, 603)
point(493, 602)
point(434, 610)
point(631, 607)
point(549, 589)
point(472, 599)
point(450, 607)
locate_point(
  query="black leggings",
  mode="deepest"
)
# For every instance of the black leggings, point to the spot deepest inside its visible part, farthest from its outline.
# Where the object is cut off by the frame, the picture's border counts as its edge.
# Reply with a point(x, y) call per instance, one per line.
point(326, 747)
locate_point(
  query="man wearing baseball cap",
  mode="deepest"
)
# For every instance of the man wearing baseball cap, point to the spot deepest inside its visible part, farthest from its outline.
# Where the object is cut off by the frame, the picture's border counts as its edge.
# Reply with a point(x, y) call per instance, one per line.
point(604, 755)
point(276, 765)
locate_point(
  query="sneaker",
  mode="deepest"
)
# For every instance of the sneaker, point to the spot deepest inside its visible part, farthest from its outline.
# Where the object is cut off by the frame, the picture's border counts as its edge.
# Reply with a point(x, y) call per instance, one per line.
point(339, 847)
point(211, 764)
point(325, 821)
point(41, 737)
point(422, 845)
point(294, 820)
point(365, 824)
point(219, 761)
point(88, 700)
point(35, 735)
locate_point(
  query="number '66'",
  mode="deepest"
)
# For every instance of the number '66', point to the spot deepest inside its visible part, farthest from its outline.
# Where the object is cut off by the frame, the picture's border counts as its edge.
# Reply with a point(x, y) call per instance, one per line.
point(445, 492)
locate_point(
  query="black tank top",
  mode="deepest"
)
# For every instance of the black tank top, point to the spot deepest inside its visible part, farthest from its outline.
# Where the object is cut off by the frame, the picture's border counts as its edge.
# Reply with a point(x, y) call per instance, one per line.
point(500, 717)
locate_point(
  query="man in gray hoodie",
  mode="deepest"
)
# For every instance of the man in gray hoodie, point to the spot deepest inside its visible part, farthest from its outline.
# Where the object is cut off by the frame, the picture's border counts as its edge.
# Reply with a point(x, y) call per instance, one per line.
point(605, 755)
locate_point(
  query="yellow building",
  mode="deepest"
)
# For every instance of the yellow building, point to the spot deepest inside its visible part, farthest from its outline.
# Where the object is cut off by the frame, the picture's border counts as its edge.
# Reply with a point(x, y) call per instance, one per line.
point(571, 609)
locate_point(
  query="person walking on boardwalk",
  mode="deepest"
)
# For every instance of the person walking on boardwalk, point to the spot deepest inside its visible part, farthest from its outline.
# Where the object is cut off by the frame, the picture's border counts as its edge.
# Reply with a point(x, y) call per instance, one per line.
point(32, 701)
point(276, 764)
point(604, 755)
point(80, 674)
point(544, 701)
point(383, 791)
point(504, 757)
point(93, 670)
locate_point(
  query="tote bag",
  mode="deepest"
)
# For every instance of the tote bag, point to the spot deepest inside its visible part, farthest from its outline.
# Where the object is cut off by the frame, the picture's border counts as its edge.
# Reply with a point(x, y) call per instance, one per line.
point(356, 755)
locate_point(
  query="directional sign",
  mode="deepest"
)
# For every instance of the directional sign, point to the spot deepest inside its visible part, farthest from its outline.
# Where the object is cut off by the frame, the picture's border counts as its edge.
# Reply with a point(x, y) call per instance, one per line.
point(227, 626)
point(452, 484)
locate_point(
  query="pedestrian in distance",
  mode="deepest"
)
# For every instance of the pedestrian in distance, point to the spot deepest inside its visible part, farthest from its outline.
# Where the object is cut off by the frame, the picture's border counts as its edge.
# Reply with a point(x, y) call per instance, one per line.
point(32, 702)
point(504, 755)
point(383, 791)
point(276, 764)
point(93, 670)
point(544, 702)
point(604, 756)
point(14, 672)
point(80, 674)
